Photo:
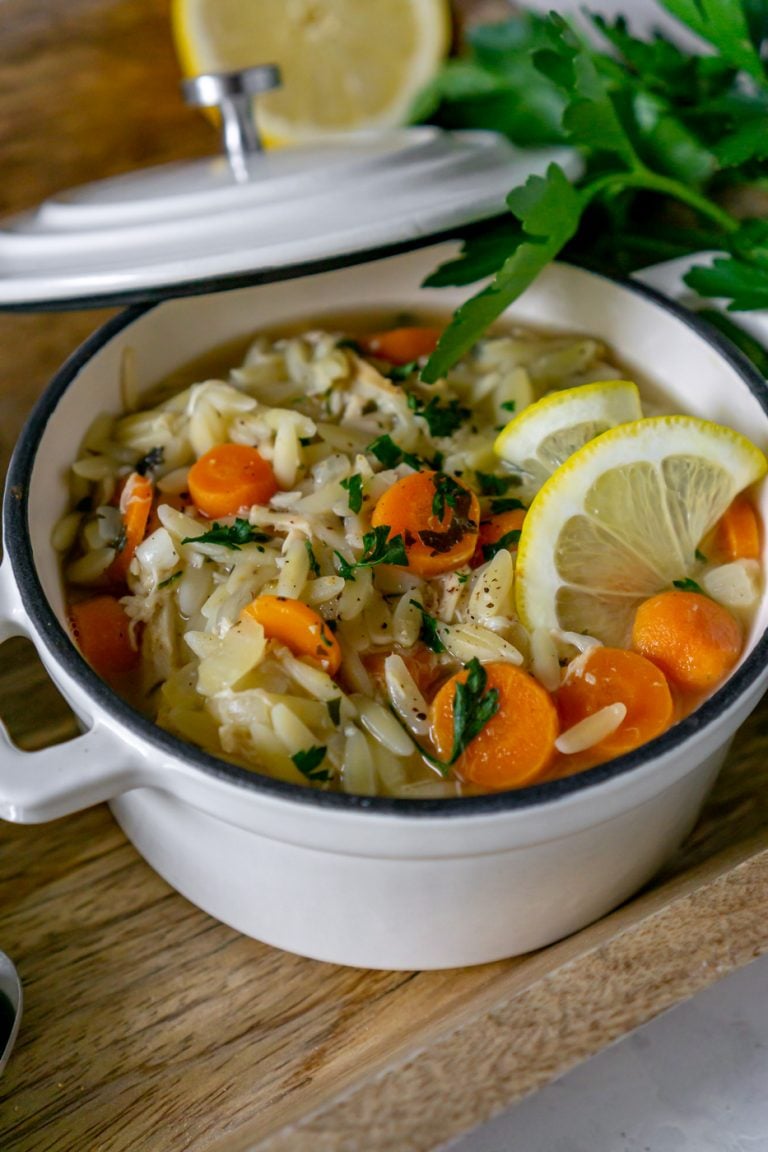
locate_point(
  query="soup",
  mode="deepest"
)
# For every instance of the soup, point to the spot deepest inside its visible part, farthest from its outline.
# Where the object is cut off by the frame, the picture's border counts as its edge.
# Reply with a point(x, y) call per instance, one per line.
point(315, 566)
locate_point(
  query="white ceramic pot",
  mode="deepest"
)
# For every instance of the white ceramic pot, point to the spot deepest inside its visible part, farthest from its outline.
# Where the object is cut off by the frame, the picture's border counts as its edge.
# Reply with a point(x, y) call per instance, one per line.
point(371, 882)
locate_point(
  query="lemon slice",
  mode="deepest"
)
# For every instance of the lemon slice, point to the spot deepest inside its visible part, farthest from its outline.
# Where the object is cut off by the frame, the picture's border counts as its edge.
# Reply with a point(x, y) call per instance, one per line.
point(546, 433)
point(345, 64)
point(622, 518)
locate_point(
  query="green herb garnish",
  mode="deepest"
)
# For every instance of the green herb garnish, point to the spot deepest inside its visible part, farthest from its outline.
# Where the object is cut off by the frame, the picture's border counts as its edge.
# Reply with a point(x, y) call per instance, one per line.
point(232, 536)
point(441, 419)
point(309, 763)
point(508, 405)
point(508, 540)
point(688, 585)
point(473, 707)
point(354, 487)
point(149, 462)
point(170, 580)
point(448, 492)
point(334, 709)
point(506, 504)
point(314, 567)
point(492, 485)
point(390, 454)
point(399, 372)
point(428, 634)
point(700, 557)
point(654, 124)
point(377, 549)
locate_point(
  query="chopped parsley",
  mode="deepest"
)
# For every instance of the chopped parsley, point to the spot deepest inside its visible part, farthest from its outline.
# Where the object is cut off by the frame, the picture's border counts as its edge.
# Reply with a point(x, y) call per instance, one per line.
point(354, 487)
point(314, 567)
point(334, 709)
point(508, 540)
point(506, 504)
point(428, 634)
point(309, 763)
point(348, 342)
point(493, 485)
point(377, 549)
point(449, 494)
point(390, 454)
point(508, 405)
point(170, 580)
point(688, 585)
point(700, 557)
point(473, 707)
point(441, 419)
point(399, 372)
point(232, 536)
point(149, 462)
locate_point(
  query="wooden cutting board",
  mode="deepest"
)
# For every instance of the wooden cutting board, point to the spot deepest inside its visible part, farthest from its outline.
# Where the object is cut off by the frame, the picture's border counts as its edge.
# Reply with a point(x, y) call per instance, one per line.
point(147, 1024)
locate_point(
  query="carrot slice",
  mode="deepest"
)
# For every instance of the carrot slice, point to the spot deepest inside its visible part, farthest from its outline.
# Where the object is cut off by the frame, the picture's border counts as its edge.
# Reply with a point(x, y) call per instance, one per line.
point(694, 640)
point(437, 518)
point(135, 507)
point(229, 477)
point(738, 531)
point(298, 627)
point(604, 676)
point(401, 345)
point(101, 631)
point(516, 745)
point(495, 529)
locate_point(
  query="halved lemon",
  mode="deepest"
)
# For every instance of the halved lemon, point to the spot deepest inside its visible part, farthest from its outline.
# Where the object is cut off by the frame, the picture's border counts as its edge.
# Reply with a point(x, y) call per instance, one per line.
point(546, 433)
point(345, 64)
point(622, 518)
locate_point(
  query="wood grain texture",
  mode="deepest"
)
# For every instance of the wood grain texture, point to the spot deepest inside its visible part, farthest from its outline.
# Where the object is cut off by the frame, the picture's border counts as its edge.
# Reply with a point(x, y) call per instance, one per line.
point(150, 1026)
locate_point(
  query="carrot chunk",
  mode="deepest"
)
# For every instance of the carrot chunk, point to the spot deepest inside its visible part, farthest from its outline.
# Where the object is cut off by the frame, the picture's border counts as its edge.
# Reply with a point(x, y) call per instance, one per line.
point(504, 527)
point(229, 477)
point(517, 743)
point(604, 676)
point(694, 640)
point(437, 518)
point(738, 531)
point(135, 507)
point(100, 628)
point(401, 345)
point(298, 627)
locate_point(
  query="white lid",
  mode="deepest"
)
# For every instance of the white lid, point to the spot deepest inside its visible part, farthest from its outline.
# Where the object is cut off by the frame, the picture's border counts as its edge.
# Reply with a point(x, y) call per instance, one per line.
point(194, 227)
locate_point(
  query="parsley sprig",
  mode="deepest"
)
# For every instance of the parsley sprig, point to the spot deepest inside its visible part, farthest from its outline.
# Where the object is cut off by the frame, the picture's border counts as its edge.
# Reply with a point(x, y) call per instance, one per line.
point(377, 549)
point(309, 763)
point(656, 126)
point(232, 536)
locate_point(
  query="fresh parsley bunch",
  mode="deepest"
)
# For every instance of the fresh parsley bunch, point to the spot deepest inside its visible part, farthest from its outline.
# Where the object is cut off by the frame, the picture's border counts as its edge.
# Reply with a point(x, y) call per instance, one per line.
point(671, 140)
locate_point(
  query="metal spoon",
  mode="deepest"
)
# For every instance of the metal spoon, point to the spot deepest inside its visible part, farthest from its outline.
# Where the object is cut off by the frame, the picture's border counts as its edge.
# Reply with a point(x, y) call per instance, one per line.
point(11, 1003)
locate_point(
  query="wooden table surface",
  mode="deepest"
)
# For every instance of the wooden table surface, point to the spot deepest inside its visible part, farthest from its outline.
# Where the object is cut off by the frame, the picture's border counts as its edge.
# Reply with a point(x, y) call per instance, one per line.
point(149, 1026)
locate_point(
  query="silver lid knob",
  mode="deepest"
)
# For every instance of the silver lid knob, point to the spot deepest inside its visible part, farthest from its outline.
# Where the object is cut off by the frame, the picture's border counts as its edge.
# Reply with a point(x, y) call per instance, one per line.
point(233, 93)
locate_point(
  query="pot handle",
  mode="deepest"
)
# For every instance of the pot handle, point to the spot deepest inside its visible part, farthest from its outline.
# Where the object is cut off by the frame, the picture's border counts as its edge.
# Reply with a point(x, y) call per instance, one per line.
point(65, 778)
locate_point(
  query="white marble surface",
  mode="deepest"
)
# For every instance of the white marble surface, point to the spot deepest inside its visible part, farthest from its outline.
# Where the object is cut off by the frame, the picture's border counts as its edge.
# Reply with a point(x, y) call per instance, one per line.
point(692, 1080)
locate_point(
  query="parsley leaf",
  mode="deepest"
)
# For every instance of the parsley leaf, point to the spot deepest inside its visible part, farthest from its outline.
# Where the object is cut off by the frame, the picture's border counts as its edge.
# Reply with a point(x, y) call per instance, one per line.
point(442, 419)
point(428, 634)
point(508, 540)
point(506, 504)
point(150, 461)
point(492, 485)
point(473, 707)
point(314, 567)
point(377, 549)
point(688, 585)
point(354, 487)
point(549, 209)
point(232, 536)
point(309, 763)
point(398, 372)
point(724, 24)
point(390, 454)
